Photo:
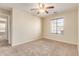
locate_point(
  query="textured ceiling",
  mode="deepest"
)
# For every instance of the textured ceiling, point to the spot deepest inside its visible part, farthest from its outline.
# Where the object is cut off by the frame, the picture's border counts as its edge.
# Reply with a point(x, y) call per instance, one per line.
point(58, 7)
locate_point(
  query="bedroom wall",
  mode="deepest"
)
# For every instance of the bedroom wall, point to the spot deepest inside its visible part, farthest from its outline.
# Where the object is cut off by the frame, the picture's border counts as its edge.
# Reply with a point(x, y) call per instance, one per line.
point(70, 27)
point(25, 27)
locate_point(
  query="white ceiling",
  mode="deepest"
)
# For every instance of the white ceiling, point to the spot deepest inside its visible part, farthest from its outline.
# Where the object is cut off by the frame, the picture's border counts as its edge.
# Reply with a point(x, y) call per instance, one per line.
point(58, 7)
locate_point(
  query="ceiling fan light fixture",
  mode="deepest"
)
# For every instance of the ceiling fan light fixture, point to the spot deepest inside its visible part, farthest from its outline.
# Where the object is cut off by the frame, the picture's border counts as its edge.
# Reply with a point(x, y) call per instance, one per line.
point(41, 10)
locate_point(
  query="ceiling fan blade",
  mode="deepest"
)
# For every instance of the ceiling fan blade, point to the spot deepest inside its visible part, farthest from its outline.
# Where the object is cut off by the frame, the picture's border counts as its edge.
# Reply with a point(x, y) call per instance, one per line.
point(46, 11)
point(34, 9)
point(50, 7)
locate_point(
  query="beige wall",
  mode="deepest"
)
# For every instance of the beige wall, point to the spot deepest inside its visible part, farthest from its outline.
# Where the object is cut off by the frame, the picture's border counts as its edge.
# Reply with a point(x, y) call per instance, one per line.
point(25, 27)
point(70, 27)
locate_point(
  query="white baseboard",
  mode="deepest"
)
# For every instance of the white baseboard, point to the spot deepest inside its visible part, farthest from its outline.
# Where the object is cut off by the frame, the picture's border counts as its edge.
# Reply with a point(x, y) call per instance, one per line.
point(22, 42)
point(62, 41)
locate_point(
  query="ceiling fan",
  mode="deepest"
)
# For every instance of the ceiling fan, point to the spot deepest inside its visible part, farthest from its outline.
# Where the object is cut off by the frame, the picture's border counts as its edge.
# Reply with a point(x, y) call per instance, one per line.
point(42, 8)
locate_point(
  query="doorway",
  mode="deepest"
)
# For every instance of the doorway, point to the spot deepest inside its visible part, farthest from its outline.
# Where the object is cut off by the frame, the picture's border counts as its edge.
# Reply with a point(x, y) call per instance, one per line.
point(4, 31)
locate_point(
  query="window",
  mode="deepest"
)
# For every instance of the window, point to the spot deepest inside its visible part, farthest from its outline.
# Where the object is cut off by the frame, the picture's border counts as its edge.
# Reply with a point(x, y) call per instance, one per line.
point(2, 24)
point(2, 19)
point(2, 27)
point(57, 25)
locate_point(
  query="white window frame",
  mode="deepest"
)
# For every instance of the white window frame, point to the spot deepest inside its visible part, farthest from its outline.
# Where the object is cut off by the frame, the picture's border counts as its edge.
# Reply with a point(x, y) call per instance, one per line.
point(56, 25)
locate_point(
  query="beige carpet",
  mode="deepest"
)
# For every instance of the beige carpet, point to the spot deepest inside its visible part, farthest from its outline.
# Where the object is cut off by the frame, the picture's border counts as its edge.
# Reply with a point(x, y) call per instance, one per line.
point(42, 47)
